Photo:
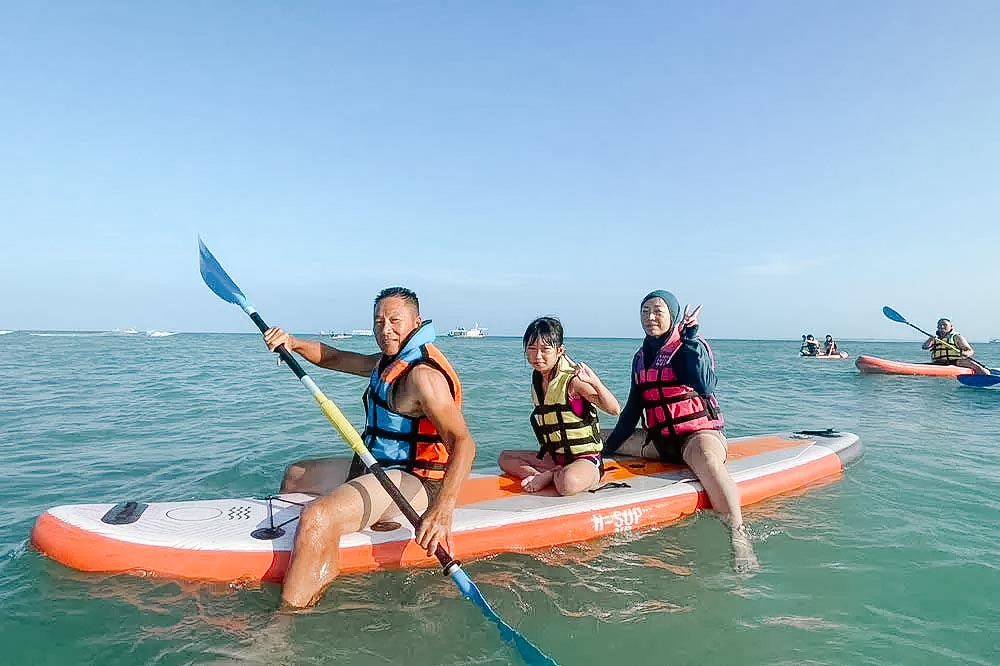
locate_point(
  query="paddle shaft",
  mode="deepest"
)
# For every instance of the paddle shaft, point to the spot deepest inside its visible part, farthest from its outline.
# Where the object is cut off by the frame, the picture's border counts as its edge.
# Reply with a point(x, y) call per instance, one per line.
point(351, 436)
point(948, 344)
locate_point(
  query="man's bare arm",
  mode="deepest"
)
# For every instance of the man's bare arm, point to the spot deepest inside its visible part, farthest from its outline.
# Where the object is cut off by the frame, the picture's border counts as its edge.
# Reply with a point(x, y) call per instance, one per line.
point(322, 355)
point(426, 390)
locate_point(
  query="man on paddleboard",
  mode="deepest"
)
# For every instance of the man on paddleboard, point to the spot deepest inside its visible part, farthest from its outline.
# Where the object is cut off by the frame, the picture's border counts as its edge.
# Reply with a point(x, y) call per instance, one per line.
point(948, 347)
point(673, 391)
point(414, 428)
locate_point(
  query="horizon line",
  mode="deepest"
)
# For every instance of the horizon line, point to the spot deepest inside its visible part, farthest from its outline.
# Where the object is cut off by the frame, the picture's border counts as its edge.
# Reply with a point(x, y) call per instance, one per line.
point(569, 337)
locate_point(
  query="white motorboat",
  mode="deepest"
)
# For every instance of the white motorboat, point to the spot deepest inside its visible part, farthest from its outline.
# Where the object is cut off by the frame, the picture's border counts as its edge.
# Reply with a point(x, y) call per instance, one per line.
point(461, 332)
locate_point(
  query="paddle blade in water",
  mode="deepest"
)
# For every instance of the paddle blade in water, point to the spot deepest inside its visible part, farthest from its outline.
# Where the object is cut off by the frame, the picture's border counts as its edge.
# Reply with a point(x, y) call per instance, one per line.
point(893, 315)
point(980, 380)
point(531, 655)
point(217, 279)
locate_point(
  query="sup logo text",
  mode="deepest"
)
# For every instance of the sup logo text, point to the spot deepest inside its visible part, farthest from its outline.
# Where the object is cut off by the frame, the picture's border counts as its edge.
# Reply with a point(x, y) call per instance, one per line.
point(623, 520)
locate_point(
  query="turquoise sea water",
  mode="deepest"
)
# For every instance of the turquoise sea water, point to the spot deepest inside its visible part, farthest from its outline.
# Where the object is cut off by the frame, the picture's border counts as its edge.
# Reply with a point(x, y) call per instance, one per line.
point(894, 564)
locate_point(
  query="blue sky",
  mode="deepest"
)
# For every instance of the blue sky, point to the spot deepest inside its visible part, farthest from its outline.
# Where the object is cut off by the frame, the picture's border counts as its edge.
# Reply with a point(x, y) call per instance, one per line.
point(791, 166)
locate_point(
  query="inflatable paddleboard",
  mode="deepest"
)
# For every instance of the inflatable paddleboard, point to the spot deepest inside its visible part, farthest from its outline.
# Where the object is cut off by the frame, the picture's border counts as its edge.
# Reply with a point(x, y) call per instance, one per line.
point(881, 366)
point(836, 356)
point(249, 539)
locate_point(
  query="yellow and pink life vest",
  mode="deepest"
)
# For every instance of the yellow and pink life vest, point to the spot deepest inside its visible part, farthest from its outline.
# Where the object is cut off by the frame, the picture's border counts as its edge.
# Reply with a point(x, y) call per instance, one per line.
point(566, 429)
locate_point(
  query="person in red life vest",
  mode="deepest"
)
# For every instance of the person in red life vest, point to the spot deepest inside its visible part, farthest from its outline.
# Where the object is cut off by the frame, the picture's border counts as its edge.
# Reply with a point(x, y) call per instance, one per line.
point(673, 392)
point(566, 396)
point(414, 428)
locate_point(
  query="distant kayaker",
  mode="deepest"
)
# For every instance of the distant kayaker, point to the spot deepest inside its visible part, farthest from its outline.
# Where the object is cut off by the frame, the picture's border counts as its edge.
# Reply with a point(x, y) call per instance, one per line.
point(810, 346)
point(673, 392)
point(566, 396)
point(948, 347)
point(830, 346)
point(415, 430)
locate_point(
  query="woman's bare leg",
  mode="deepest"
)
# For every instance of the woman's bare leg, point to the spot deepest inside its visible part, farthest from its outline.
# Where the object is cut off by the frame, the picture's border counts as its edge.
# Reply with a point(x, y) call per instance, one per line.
point(705, 454)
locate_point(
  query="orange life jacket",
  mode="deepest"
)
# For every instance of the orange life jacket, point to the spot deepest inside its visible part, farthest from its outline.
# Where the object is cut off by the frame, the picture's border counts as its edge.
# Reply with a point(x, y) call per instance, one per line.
point(404, 442)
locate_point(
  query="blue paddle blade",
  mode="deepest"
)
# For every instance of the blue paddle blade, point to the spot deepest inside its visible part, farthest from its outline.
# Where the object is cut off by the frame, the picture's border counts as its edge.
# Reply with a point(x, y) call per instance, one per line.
point(217, 279)
point(531, 655)
point(980, 380)
point(893, 315)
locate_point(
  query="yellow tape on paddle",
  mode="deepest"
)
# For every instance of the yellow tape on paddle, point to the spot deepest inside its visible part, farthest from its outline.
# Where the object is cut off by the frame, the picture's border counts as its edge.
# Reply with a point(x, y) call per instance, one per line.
point(340, 422)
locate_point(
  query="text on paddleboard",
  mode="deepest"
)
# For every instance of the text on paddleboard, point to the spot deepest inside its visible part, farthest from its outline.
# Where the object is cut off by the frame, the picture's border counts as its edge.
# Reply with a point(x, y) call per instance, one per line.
point(622, 521)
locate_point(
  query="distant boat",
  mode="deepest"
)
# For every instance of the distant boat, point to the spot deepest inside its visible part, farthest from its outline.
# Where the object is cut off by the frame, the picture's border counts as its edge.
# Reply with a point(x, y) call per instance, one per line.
point(85, 334)
point(362, 332)
point(461, 332)
point(160, 334)
point(993, 341)
point(341, 336)
point(5, 332)
point(127, 331)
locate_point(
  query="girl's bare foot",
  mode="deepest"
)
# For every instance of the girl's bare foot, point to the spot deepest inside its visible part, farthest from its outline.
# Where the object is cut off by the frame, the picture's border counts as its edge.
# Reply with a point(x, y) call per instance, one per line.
point(536, 482)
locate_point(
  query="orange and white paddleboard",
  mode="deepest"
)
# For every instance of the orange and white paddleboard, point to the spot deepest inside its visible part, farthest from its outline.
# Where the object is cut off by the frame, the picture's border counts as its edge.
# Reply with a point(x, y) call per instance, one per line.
point(250, 539)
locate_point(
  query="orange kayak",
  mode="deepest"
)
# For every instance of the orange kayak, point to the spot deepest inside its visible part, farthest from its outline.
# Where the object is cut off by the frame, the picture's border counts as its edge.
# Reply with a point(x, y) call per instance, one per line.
point(880, 366)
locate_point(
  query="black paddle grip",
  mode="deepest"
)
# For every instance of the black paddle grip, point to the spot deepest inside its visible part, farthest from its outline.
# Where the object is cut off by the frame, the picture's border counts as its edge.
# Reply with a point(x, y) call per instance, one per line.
point(285, 355)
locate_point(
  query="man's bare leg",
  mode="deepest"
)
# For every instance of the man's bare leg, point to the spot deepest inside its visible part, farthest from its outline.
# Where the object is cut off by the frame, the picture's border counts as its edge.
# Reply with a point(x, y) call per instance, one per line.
point(315, 476)
point(351, 507)
point(972, 365)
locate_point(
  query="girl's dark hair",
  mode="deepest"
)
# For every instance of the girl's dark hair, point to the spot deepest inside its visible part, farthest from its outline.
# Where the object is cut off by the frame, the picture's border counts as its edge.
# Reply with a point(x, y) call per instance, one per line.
point(544, 329)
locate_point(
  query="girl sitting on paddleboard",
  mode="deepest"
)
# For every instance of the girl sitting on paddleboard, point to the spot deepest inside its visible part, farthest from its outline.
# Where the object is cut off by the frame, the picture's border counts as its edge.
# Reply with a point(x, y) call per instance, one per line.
point(566, 396)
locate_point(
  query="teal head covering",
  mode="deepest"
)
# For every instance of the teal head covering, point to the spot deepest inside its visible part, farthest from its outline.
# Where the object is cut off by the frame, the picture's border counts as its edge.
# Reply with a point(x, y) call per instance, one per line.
point(672, 305)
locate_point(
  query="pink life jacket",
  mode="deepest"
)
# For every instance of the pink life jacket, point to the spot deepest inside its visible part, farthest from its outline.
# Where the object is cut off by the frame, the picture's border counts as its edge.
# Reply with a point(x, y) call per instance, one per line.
point(672, 409)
